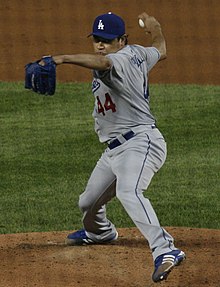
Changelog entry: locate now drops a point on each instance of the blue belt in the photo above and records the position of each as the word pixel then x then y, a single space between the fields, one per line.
pixel 127 136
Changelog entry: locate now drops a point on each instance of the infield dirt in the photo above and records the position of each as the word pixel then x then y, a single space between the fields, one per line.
pixel 42 259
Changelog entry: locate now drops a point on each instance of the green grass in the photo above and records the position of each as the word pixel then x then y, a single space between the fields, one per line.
pixel 48 149
pixel 190 120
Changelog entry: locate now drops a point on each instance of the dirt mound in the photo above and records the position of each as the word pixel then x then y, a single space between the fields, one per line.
pixel 42 259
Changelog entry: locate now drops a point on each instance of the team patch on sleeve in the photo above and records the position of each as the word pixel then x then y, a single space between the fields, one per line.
pixel 95 85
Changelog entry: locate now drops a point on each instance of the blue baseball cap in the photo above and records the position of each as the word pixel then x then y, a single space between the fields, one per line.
pixel 108 26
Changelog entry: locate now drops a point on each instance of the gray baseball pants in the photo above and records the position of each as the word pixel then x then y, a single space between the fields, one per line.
pixel 126 172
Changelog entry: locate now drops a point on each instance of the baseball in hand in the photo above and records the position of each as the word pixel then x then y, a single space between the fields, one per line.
pixel 141 23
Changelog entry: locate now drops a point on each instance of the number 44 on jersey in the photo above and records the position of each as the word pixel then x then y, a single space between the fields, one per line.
pixel 106 106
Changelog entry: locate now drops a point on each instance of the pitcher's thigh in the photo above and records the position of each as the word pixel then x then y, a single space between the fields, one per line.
pixel 133 173
pixel 101 185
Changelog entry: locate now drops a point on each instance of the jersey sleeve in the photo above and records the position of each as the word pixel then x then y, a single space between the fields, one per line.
pixel 152 57
pixel 124 63
pixel 115 73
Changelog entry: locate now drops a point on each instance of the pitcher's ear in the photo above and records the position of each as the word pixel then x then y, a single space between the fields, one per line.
pixel 124 39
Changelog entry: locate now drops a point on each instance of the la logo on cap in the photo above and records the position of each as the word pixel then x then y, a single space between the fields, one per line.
pixel 101 25
pixel 108 26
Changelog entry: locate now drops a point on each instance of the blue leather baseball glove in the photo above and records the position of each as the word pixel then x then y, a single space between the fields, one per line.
pixel 40 76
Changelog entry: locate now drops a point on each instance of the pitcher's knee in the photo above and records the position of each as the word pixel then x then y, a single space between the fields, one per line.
pixel 125 195
pixel 84 203
pixel 129 195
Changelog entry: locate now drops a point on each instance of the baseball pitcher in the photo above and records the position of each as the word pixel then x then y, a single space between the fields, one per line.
pixel 135 148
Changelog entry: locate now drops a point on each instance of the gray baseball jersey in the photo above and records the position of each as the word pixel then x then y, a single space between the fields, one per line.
pixel 121 93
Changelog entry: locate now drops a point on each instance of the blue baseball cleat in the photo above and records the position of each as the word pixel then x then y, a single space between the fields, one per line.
pixel 80 238
pixel 165 263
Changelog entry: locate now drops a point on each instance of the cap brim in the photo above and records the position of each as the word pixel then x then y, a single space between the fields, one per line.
pixel 104 35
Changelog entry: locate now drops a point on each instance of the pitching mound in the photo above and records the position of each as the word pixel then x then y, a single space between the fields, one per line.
pixel 42 259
